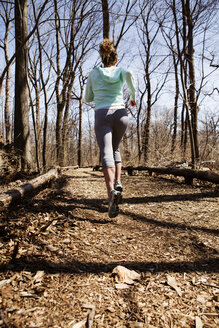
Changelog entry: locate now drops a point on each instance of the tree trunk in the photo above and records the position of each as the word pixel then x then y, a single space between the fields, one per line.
pixel 7 91
pixel 148 119
pixel 65 135
pixel 59 133
pixel 7 108
pixel 80 127
pixel 141 101
pixel 175 103
pixel 147 135
pixel 21 117
pixel 106 25
pixel 59 98
pixel 35 131
pixel 184 131
pixel 36 121
pixel 90 125
pixel 45 125
pixel 139 137
pixel 191 91
pixel 38 125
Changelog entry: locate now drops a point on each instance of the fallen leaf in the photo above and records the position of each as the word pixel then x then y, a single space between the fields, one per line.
pixel 27 294
pixel 172 283
pixel 201 299
pixel 198 322
pixel 4 282
pixel 67 240
pixel 52 248
pixel 7 281
pixel 124 275
pixel 79 324
pixel 38 276
pixel 121 286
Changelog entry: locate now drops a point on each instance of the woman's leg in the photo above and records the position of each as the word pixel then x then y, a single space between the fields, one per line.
pixel 110 128
pixel 106 150
pixel 109 175
pixel 103 133
pixel 120 126
pixel 118 171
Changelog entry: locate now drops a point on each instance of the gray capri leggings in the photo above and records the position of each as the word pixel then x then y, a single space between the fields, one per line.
pixel 110 126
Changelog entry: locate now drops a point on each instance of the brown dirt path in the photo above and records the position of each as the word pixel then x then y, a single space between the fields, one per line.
pixel 58 251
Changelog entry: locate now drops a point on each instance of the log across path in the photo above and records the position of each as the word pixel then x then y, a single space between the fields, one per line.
pixel 10 196
pixel 188 174
pixel 14 195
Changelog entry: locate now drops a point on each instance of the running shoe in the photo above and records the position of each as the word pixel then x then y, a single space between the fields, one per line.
pixel 114 200
pixel 118 186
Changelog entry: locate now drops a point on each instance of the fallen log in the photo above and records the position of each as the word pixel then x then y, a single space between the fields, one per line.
pixel 188 174
pixel 10 196
pixel 66 168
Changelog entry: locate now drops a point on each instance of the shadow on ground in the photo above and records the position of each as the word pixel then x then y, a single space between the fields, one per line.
pixel 210 265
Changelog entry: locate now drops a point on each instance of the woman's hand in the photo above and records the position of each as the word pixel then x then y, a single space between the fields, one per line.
pixel 132 102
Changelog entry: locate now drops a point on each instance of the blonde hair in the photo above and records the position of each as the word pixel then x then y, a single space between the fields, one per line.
pixel 107 52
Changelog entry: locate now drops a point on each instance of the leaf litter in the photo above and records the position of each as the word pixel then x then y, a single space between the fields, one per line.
pixel 59 253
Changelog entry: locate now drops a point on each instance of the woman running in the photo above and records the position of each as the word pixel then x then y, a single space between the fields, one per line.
pixel 105 88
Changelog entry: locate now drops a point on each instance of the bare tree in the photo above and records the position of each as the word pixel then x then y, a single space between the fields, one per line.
pixel 39 74
pixel 148 30
pixel 5 15
pixel 76 43
pixel 21 117
pixel 188 18
pixel 169 37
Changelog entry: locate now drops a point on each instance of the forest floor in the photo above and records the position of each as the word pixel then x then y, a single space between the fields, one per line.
pixel 58 251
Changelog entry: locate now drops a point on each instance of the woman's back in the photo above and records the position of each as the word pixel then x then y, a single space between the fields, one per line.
pixel 105 86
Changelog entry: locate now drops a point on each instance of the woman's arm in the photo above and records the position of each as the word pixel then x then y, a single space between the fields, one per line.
pixel 130 82
pixel 89 95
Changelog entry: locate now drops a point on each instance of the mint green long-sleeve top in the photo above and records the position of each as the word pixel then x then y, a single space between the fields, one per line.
pixel 105 86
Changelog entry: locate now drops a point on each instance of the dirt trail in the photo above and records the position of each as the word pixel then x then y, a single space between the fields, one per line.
pixel 59 248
